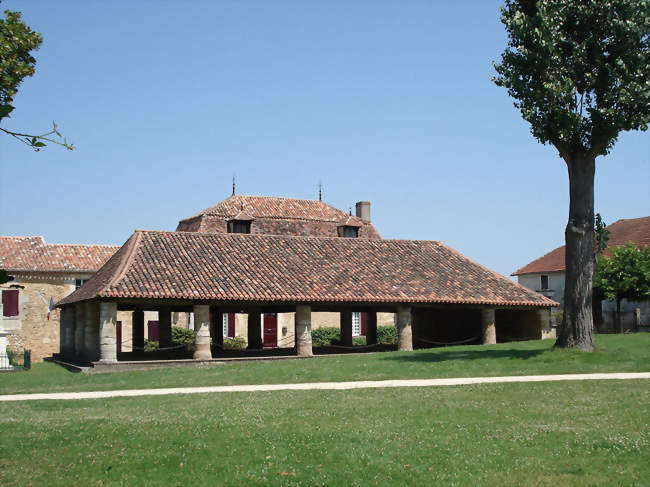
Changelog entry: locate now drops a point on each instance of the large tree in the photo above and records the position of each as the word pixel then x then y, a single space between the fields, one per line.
pixel 578 71
pixel 17 42
pixel 624 275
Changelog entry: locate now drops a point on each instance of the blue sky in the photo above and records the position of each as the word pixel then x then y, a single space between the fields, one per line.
pixel 383 101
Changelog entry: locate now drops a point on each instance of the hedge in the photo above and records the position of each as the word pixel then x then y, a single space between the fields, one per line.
pixel 387 335
pixel 321 337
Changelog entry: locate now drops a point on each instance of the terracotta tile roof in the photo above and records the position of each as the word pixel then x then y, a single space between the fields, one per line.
pixel 33 254
pixel 266 268
pixel 274 207
pixel 636 230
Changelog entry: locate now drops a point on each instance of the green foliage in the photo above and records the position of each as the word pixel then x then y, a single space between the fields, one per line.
pixel 17 41
pixel 387 335
pixel 601 235
pixel 150 346
pixel 578 71
pixel 626 274
pixel 183 336
pixel 359 341
pixel 235 343
pixel 322 337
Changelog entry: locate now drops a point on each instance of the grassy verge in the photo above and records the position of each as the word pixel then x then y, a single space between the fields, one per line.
pixel 576 434
pixel 615 353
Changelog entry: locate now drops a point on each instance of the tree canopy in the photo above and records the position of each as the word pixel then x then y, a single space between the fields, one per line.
pixel 17 42
pixel 624 275
pixel 578 70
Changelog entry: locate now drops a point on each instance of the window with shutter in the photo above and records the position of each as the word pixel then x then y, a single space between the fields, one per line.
pixel 10 302
pixel 356 324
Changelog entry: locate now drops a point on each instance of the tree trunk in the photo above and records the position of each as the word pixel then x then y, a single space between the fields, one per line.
pixel 577 322
pixel 619 324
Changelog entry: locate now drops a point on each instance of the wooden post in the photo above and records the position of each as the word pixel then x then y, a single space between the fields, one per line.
pixel 254 330
pixel 137 330
pixel 371 328
pixel 346 328
pixel 164 327
pixel 80 330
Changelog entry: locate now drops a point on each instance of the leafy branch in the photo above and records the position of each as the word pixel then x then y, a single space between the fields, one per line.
pixel 37 141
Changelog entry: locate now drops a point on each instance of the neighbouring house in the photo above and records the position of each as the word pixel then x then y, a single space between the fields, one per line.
pixel 294 263
pixel 546 276
pixel 42 273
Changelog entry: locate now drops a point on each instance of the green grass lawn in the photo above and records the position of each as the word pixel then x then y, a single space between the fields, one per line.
pixel 615 353
pixel 543 434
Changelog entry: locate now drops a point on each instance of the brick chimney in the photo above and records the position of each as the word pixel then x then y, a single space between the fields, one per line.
pixel 363 210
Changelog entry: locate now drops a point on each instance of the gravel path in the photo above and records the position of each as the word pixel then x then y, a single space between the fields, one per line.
pixel 321 386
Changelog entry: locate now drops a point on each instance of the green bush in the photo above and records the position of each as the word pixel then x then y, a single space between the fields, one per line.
pixel 235 343
pixel 387 335
pixel 183 336
pixel 150 346
pixel 325 336
pixel 359 341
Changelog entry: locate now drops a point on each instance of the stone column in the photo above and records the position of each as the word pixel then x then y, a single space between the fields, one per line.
pixel 488 326
pixel 107 332
pixel 254 330
pixel 371 328
pixel 164 327
pixel 346 328
pixel 79 330
pixel 67 318
pixel 91 337
pixel 545 329
pixel 202 328
pixel 303 331
pixel 404 331
pixel 137 330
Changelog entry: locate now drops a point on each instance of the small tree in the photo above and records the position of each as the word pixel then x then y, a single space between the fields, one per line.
pixel 17 41
pixel 624 275
pixel 578 71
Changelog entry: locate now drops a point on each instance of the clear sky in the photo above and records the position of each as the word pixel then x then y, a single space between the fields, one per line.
pixel 386 101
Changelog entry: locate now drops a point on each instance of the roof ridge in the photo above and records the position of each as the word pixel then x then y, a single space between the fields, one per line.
pixel 126 262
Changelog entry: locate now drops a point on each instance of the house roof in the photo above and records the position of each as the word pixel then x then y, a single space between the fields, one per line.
pixel 636 230
pixel 31 254
pixel 274 207
pixel 271 268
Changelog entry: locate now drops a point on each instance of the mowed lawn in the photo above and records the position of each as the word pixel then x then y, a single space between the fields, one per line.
pixel 615 353
pixel 592 433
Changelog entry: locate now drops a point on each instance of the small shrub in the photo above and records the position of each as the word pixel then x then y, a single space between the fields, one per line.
pixel 321 337
pixel 387 335
pixel 183 336
pixel 359 341
pixel 235 343
pixel 150 346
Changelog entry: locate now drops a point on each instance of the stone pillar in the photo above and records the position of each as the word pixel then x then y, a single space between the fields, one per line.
pixel 91 336
pixel 137 330
pixel 545 329
pixel 254 330
pixel 164 327
pixel 346 328
pixel 371 328
pixel 303 331
pixel 488 326
pixel 404 331
pixel 107 332
pixel 79 330
pixel 202 328
pixel 67 318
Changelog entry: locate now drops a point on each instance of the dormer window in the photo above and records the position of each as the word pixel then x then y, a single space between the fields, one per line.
pixel 348 231
pixel 239 226
pixel 241 223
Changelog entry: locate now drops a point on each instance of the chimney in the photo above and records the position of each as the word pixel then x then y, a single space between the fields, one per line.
pixel 363 210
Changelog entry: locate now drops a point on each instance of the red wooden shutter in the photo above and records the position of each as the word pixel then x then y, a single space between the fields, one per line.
pixel 364 323
pixel 10 302
pixel 231 325
pixel 152 330
pixel 118 336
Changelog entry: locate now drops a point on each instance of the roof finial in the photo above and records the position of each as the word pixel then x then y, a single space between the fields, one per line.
pixel 233 185
pixel 350 211
pixel 320 191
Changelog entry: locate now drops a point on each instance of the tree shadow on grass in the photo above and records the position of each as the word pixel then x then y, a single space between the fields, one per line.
pixel 441 355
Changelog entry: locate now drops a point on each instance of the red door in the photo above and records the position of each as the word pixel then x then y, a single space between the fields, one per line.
pixel 152 330
pixel 270 329
pixel 118 336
